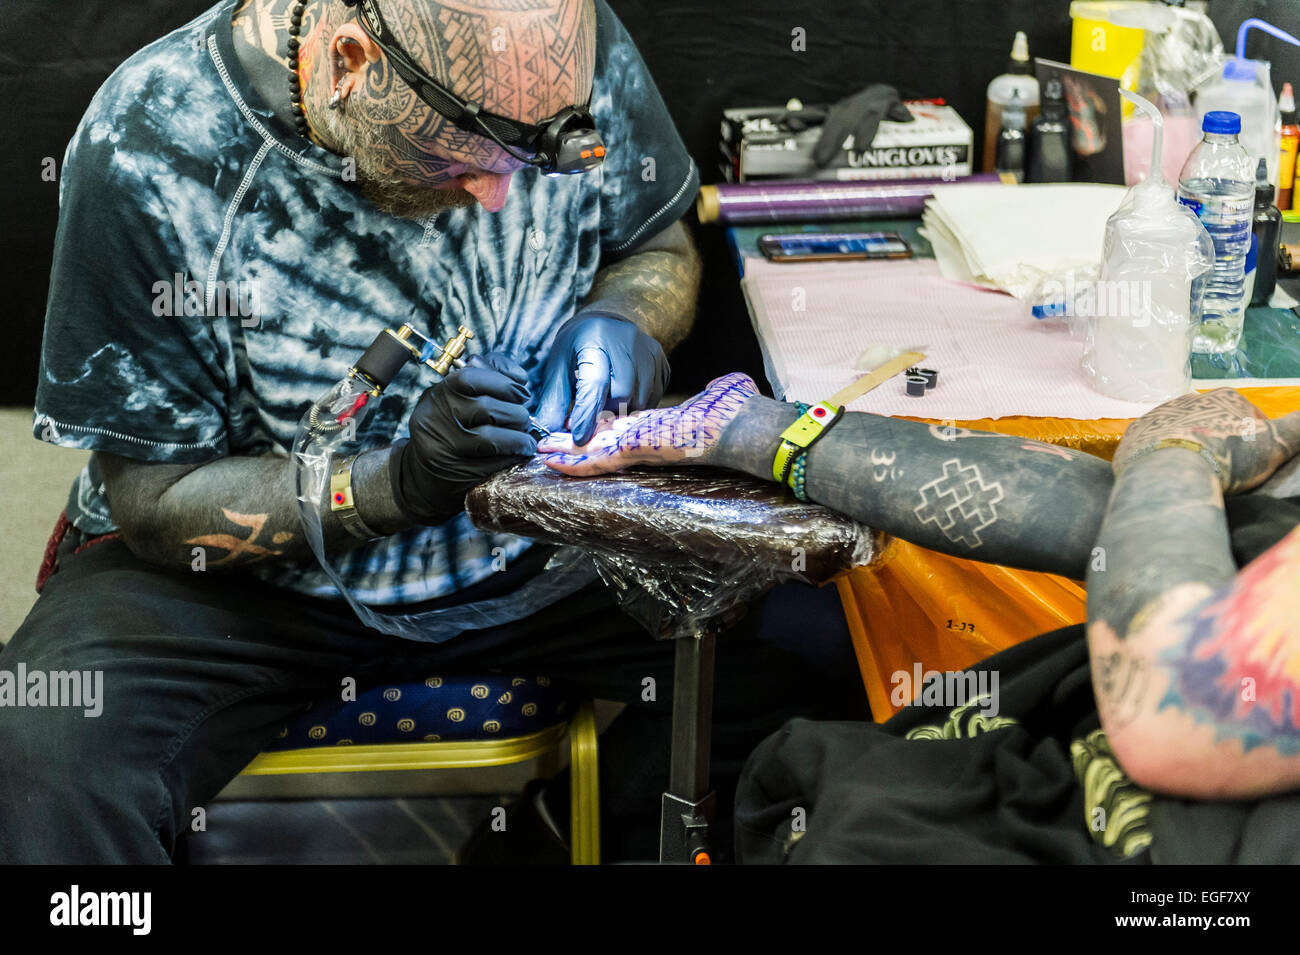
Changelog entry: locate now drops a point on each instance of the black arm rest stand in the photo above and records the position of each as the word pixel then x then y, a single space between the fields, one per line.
pixel 684 552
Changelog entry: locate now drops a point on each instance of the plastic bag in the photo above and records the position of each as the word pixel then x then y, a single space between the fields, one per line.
pixel 1182 49
pixel 1139 324
pixel 683 551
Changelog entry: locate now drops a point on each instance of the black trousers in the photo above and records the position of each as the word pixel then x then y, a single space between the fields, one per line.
pixel 201 670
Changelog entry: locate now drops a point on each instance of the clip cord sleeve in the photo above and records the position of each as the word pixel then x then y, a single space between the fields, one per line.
pixel 334 420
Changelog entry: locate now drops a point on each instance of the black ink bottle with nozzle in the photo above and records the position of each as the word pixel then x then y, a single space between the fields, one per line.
pixel 1049 139
pixel 1010 154
pixel 1267 225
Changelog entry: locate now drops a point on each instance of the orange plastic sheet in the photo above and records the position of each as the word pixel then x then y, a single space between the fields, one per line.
pixel 916 606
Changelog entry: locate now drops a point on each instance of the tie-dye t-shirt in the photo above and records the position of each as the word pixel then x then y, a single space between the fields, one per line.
pixel 214 272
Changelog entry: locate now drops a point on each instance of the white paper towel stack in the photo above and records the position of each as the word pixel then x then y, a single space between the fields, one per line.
pixel 1010 237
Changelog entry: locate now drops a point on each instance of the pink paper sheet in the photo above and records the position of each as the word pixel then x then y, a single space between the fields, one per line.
pixel 994 359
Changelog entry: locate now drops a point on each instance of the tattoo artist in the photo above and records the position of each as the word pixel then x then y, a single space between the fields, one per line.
pixel 303 145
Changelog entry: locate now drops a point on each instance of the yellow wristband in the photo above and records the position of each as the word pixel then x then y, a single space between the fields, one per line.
pixel 801 435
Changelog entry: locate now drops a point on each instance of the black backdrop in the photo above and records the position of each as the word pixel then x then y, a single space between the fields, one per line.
pixel 704 55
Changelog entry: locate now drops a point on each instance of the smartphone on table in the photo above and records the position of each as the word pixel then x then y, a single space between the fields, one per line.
pixel 827 246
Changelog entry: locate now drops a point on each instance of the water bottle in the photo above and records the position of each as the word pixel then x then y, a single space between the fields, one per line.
pixel 1218 184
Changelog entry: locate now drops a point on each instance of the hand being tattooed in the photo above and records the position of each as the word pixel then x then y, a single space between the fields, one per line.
pixel 683 434
pixel 1245 443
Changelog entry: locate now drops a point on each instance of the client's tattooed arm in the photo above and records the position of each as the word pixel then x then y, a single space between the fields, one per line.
pixel 239 510
pixel 1196 667
pixel 989 497
pixel 654 288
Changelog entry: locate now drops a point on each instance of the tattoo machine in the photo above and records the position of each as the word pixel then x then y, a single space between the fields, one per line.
pixel 390 350
pixel 383 360
pixel 335 419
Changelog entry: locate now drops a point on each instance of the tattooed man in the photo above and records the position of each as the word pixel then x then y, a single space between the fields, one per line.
pixel 247 203
pixel 1185 689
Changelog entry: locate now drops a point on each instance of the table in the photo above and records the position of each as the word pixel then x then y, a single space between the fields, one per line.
pixel 916 607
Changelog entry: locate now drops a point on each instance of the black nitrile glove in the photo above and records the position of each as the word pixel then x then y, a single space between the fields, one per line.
pixel 797 120
pixel 464 429
pixel 599 364
pixel 859 114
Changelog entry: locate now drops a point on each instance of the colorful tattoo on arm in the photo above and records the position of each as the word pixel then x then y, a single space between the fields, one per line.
pixel 1196 667
pixel 1238 666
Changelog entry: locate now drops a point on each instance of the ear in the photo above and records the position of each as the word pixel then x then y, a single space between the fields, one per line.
pixel 351 50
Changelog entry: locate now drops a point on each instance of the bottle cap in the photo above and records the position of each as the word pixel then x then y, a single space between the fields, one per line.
pixel 1020 47
pixel 1263 188
pixel 1241 70
pixel 1221 121
pixel 1286 102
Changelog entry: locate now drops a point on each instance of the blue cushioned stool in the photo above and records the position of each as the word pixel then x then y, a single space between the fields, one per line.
pixel 450 721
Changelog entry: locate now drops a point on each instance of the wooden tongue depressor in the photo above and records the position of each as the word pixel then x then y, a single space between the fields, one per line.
pixel 876 376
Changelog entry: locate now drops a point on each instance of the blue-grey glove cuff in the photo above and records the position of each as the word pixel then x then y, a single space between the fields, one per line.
pixel 585 313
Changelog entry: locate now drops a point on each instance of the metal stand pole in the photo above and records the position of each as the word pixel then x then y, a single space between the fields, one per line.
pixel 687 808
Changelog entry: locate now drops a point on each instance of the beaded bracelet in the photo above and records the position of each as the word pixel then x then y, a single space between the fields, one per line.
pixel 799 470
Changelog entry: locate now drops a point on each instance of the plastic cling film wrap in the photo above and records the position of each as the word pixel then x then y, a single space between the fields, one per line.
pixel 682 550
pixel 329 425
pixel 817 200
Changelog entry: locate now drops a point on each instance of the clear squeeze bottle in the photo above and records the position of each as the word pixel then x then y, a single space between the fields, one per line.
pixel 1140 326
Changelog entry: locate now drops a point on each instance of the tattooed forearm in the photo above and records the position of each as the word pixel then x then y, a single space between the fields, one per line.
pixel 1165 527
pixel 972 494
pixel 1163 542
pixel 1196 667
pixel 975 494
pixel 655 287
pixel 235 511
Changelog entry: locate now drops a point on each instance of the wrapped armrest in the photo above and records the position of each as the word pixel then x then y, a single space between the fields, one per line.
pixel 683 549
